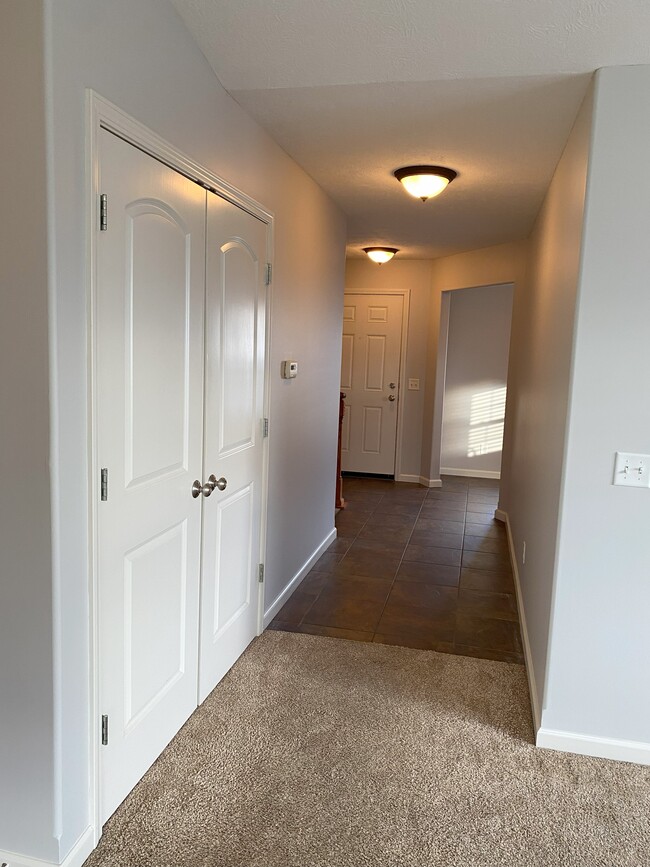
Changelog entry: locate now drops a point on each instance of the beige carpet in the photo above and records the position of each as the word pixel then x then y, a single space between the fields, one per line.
pixel 315 751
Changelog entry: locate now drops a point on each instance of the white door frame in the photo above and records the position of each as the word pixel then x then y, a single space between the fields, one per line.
pixel 102 114
pixel 406 296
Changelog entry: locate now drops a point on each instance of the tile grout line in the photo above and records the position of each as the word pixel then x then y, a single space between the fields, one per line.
pixel 392 584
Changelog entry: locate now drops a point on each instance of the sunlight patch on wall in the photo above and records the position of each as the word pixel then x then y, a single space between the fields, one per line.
pixel 487 413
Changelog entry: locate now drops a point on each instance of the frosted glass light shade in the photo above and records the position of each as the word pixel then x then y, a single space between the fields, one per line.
pixel 380 254
pixel 424 182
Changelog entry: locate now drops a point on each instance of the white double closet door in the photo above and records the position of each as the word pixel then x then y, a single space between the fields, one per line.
pixel 179 355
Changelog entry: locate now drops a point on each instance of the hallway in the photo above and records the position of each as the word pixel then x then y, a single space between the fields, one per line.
pixel 415 567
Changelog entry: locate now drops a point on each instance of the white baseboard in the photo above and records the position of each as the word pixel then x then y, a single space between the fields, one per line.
pixel 502 516
pixel 277 604
pixel 477 474
pixel 419 480
pixel 588 745
pixel 553 739
pixel 75 858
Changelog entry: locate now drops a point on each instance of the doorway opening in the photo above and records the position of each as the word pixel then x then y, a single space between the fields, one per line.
pixel 473 352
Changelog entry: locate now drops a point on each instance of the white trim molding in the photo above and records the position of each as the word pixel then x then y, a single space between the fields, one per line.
pixel 102 114
pixel 502 516
pixel 588 745
pixel 75 858
pixel 476 474
pixel 554 739
pixel 411 479
pixel 277 604
pixel 419 480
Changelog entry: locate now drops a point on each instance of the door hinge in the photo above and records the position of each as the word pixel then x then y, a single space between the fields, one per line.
pixel 260 573
pixel 105 730
pixel 269 271
pixel 103 212
pixel 104 483
pixel 265 427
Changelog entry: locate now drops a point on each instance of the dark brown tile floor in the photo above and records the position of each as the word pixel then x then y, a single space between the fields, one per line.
pixel 414 567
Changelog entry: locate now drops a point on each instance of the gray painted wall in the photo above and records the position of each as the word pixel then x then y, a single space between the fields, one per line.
pixel 139 56
pixel 476 375
pixel 598 682
pixel 26 689
pixel 538 387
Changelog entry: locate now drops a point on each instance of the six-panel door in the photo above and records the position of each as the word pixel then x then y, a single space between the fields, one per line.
pixel 370 366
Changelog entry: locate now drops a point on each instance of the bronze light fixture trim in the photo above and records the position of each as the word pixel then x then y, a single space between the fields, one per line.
pixel 380 254
pixel 424 182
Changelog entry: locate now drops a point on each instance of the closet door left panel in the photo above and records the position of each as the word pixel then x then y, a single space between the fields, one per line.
pixel 149 420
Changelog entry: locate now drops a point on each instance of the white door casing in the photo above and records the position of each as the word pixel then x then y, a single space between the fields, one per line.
pixel 370 379
pixel 149 382
pixel 233 450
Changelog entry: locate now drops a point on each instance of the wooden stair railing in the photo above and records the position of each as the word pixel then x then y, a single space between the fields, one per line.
pixel 339 501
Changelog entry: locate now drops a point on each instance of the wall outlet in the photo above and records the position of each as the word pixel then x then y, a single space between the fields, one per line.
pixel 632 470
pixel 414 384
pixel 523 554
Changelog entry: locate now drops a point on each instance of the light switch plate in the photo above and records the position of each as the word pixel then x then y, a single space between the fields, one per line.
pixel 289 369
pixel 632 470
pixel 414 384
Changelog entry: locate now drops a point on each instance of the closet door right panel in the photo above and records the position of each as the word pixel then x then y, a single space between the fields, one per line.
pixel 233 449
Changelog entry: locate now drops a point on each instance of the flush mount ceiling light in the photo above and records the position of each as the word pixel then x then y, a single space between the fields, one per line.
pixel 380 254
pixel 424 182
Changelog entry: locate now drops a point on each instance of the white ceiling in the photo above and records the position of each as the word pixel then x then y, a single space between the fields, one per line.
pixel 354 90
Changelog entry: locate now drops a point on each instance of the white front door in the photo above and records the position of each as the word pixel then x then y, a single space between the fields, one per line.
pixel 234 407
pixel 370 367
pixel 149 428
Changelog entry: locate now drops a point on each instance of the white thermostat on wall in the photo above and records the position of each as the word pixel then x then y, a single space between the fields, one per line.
pixel 289 369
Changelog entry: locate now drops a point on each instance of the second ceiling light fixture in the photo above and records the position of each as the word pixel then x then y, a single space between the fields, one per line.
pixel 423 182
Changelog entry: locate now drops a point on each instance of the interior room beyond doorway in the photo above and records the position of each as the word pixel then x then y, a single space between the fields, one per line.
pixel 473 354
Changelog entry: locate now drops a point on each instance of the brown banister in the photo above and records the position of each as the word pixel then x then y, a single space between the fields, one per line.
pixel 339 502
